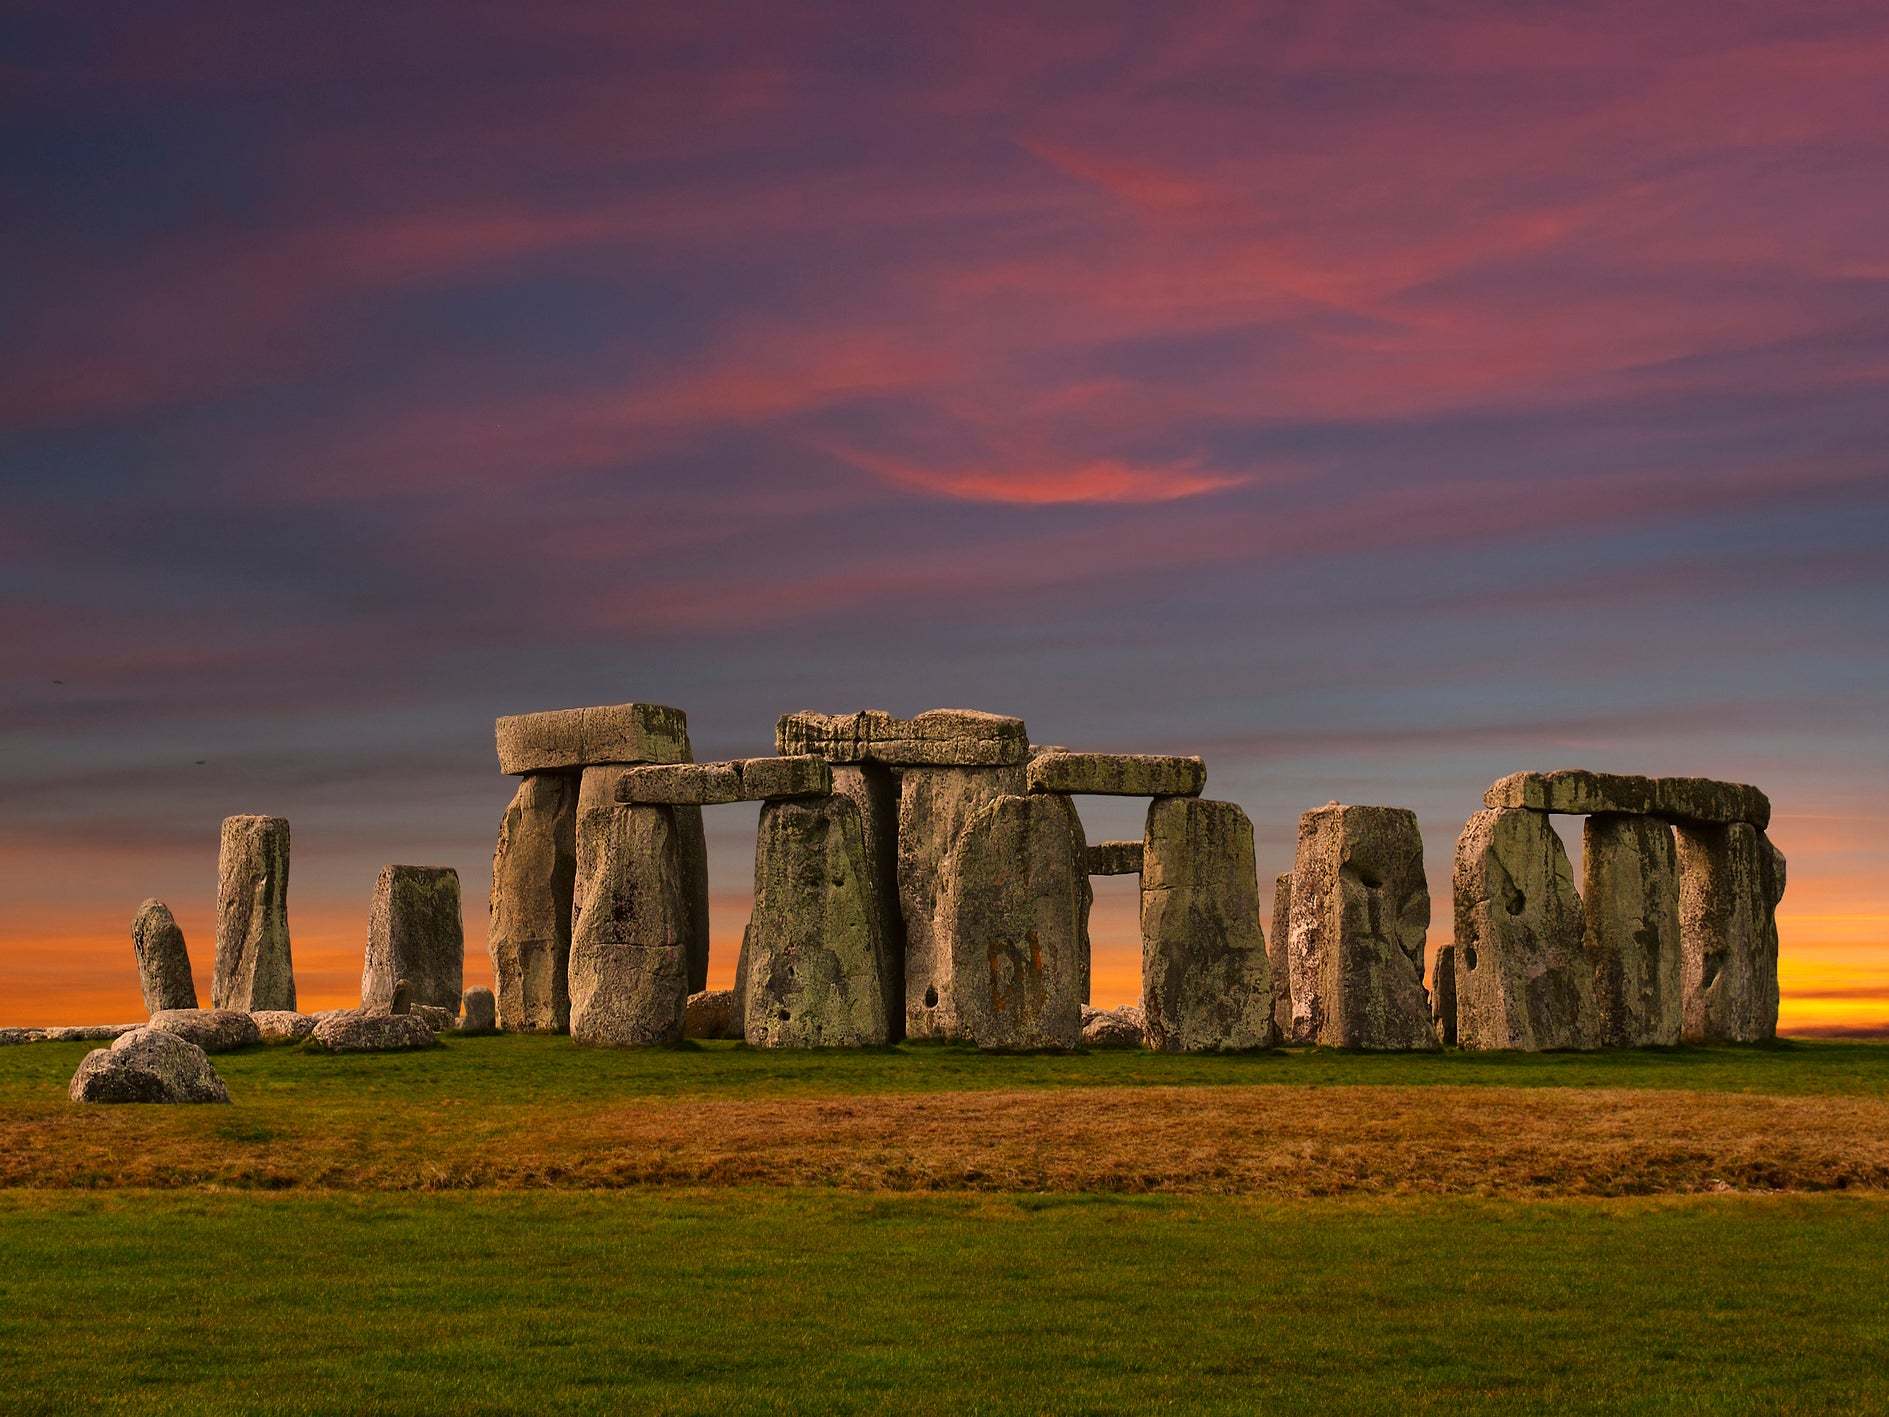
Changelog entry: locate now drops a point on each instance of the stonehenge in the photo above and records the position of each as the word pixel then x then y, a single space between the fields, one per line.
pixel 414 934
pixel 253 968
pixel 1731 879
pixel 163 962
pixel 534 870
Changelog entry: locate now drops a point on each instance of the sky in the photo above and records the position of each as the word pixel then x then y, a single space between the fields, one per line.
pixel 1375 399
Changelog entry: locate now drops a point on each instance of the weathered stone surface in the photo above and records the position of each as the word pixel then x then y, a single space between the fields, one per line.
pixel 934 806
pixel 372 1033
pixel 635 921
pixel 253 967
pixel 438 1019
pixel 1630 901
pixel 937 738
pixel 680 784
pixel 480 1011
pixel 765 779
pixel 1731 879
pixel 874 789
pixel 1360 910
pixel 1278 953
pixel 147 1065
pixel 1115 858
pixel 414 933
pixel 1206 981
pixel 1701 801
pixel 565 740
pixel 692 849
pixel 529 935
pixel 91 1032
pixel 1523 980
pixel 1011 923
pixel 711 1014
pixel 1112 1028
pixel 1443 995
pixel 283 1025
pixel 816 945
pixel 1574 791
pixel 10 1036
pixel 213 1030
pixel 163 962
pixel 1117 774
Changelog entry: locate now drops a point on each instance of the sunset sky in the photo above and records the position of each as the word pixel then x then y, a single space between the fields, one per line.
pixel 1374 399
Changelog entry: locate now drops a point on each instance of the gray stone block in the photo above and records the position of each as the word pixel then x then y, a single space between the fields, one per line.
pixel 283 1025
pixel 1630 901
pixel 1117 774
pixel 1360 912
pixel 565 740
pixel 1277 955
pixel 1700 801
pixel 1115 858
pixel 372 1033
pixel 147 1065
pixel 711 1014
pixel 680 784
pixel 1443 995
pixel 937 738
pixel 480 1014
pixel 253 965
pixel 1731 879
pixel 163 962
pixel 1573 791
pixel 1523 980
pixel 770 779
pixel 1113 1028
pixel 213 1030
pixel 414 932
pixel 534 869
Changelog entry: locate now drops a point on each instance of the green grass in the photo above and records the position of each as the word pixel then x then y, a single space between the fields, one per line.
pixel 515 1068
pixel 788 1300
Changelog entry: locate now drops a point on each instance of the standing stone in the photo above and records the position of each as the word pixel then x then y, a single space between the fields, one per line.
pixel 481 1014
pixel 533 874
pixel 816 944
pixel 935 803
pixel 414 934
pixel 1630 898
pixel 1010 925
pixel 1276 957
pixel 692 850
pixel 253 968
pixel 1360 912
pixel 1443 995
pixel 1731 879
pixel 631 938
pixel 1523 980
pixel 874 790
pixel 163 962
pixel 1206 980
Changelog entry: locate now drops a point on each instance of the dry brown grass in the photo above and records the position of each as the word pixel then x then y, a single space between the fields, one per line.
pixel 1267 1140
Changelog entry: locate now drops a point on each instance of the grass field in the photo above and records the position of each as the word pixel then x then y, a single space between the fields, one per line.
pixel 513 1224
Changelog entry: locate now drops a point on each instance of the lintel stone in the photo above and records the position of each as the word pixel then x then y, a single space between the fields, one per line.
pixel 564 740
pixel 1115 858
pixel 1577 792
pixel 936 738
pixel 772 779
pixel 1118 774
pixel 679 785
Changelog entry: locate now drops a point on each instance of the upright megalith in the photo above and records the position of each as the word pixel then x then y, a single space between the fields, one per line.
pixel 1277 956
pixel 1731 879
pixel 1523 980
pixel 874 789
pixel 253 967
pixel 633 929
pixel 1360 912
pixel 1206 980
pixel 1010 927
pixel 163 962
pixel 1443 995
pixel 1630 902
pixel 414 932
pixel 816 952
pixel 534 870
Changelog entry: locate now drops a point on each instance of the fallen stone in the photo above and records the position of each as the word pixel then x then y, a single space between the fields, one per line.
pixel 1630 901
pixel 1011 925
pixel 1277 955
pixel 148 1065
pixel 414 933
pixel 1360 914
pixel 1523 980
pixel 680 784
pixel 213 1030
pixel 438 1019
pixel 1115 858
pixel 529 934
pixel 90 1032
pixel 163 962
pixel 1443 995
pixel 634 924
pixel 711 1014
pixel 1573 791
pixel 934 806
pixel 9 1036
pixel 253 966
pixel 1701 801
pixel 1112 1028
pixel 769 779
pixel 1117 774
pixel 481 1011
pixel 565 740
pixel 937 738
pixel 400 1002
pixel 283 1025
pixel 1206 980
pixel 1731 879
pixel 373 1033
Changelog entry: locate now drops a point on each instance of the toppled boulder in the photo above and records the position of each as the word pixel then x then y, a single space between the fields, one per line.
pixel 438 1019
pixel 283 1025
pixel 10 1036
pixel 213 1030
pixel 89 1032
pixel 711 1014
pixel 372 1033
pixel 148 1065
pixel 481 1011
pixel 163 961
pixel 1113 1028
